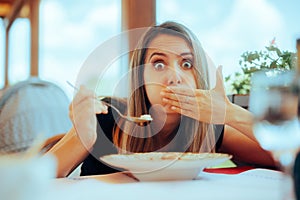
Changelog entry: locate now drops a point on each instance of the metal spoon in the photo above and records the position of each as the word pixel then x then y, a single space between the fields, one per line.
pixel 143 120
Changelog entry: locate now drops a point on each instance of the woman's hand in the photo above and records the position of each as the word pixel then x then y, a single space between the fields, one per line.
pixel 204 105
pixel 83 111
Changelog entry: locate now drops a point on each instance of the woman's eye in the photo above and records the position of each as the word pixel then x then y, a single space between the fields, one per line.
pixel 187 65
pixel 159 65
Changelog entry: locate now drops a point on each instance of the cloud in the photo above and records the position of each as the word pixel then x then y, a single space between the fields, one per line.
pixel 61 30
pixel 57 29
pixel 104 15
pixel 68 36
pixel 70 33
pixel 249 26
pixel 227 29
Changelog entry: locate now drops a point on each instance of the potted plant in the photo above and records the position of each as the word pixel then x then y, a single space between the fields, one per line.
pixel 239 83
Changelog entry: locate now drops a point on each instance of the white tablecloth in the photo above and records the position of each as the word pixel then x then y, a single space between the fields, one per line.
pixel 254 184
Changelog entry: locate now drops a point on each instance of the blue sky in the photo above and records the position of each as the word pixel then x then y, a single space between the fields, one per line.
pixel 71 30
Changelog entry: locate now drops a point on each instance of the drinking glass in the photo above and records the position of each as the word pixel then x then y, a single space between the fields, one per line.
pixel 274 103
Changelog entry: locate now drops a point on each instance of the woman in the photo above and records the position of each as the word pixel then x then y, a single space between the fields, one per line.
pixel 169 80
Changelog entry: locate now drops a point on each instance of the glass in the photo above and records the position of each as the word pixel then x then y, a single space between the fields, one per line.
pixel 274 104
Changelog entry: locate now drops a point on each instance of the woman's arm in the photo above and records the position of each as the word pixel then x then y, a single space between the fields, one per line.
pixel 240 119
pixel 244 149
pixel 69 153
pixel 72 149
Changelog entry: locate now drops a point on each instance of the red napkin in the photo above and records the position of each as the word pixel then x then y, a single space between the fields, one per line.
pixel 230 170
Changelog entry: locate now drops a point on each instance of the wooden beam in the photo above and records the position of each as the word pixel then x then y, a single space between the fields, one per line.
pixel 34 25
pixel 7 1
pixel 137 14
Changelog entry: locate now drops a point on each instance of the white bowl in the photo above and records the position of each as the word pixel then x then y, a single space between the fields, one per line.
pixel 165 166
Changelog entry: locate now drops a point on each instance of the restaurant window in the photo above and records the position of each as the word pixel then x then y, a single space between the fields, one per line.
pixel 70 32
pixel 19 51
pixel 226 29
pixel 2 53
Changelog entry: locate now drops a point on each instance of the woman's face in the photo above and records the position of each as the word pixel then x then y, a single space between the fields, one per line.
pixel 168 62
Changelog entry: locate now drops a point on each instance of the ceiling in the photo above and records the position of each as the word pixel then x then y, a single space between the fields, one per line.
pixel 5 7
pixel 13 9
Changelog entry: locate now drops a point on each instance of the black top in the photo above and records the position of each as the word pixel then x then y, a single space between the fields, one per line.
pixel 104 143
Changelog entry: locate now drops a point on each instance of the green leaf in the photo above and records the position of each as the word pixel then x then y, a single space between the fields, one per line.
pixel 252 61
pixel 278 52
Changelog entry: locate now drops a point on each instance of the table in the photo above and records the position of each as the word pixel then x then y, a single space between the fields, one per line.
pixel 254 184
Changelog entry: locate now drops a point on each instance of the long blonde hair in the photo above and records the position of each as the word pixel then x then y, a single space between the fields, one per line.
pixel 195 136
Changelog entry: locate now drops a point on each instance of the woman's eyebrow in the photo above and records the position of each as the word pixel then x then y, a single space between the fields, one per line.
pixel 157 53
pixel 163 54
pixel 187 54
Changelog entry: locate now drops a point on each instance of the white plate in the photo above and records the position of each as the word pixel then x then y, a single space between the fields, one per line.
pixel 161 166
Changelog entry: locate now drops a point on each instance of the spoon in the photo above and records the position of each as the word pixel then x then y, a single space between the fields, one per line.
pixel 141 121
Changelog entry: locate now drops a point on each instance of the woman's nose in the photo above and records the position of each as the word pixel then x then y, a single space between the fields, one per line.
pixel 174 81
pixel 175 77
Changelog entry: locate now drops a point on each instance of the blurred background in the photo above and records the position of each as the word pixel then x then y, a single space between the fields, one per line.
pixel 70 30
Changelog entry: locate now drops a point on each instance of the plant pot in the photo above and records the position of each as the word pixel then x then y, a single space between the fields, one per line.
pixel 240 99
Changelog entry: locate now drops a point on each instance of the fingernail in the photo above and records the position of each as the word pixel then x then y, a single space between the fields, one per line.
pixel 162 93
pixel 165 100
